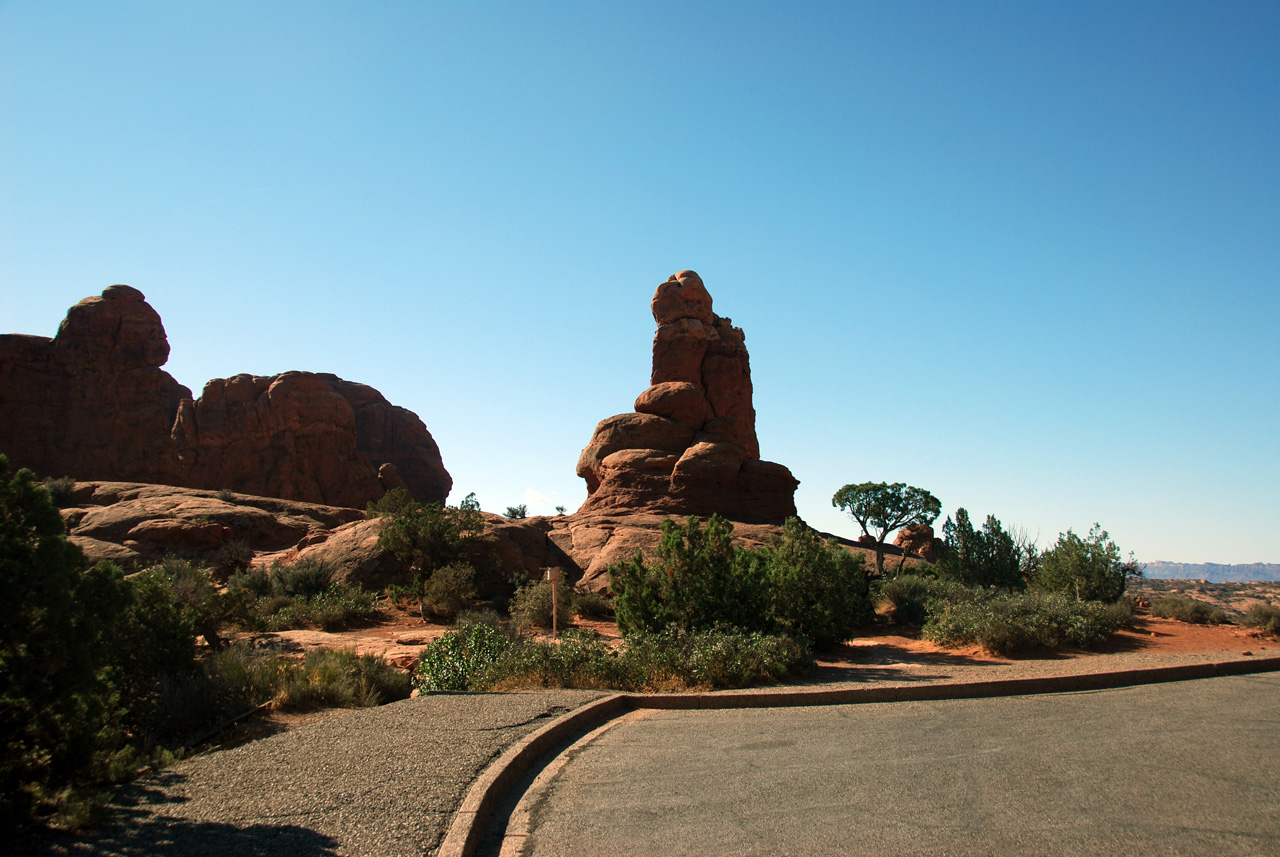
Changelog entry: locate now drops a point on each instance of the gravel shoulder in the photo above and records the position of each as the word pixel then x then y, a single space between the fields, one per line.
pixel 382 781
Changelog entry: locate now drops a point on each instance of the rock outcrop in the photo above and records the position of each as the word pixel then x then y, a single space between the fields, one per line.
pixel 918 539
pixel 306 436
pixel 94 403
pixel 690 447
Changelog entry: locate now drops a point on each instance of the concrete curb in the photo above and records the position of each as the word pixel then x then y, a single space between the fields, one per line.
pixel 467 827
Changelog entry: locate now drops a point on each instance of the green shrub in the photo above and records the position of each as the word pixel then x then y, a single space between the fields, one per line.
pixel 699 580
pixel 226 495
pixel 531 606
pixel 342 679
pixel 813 588
pixel 1265 617
pixel 986 557
pixel 450 589
pixel 1085 569
pixel 57 707
pixel 1189 610
pixel 591 604
pixel 481 658
pixel 302 595
pixel 460 660
pixel 467 618
pixel 60 490
pixel 517 512
pixel 1010 623
pixel 911 597
pixel 427 536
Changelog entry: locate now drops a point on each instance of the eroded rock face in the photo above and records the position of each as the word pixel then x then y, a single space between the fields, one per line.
pixel 690 447
pixel 93 403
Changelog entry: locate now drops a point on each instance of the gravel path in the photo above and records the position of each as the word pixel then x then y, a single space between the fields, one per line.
pixel 382 781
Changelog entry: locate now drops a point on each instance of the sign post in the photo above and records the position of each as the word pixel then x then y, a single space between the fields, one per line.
pixel 553 575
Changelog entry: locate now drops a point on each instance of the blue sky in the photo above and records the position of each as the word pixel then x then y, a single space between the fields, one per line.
pixel 1024 255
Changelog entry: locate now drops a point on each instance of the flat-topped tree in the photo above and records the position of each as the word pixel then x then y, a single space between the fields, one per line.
pixel 880 508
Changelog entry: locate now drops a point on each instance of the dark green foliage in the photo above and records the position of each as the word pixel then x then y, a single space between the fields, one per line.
pixel 301 595
pixel 1265 617
pixel 458 660
pixel 531 606
pixel 798 585
pixel 467 618
pixel 591 605
pixel 1086 569
pixel 910 597
pixel 699 580
pixel 226 495
pixel 450 589
pixel 813 588
pixel 341 679
pixel 482 658
pixel 1189 610
pixel 880 508
pixel 57 708
pixel 1010 623
pixel 517 512
pixel 60 490
pixel 986 557
pixel 427 536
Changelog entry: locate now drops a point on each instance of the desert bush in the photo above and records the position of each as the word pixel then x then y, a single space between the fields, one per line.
pixel 233 557
pixel 342 679
pixel 530 607
pixel 517 512
pixel 427 536
pixel 302 595
pixel 460 660
pixel 450 589
pixel 591 604
pixel 798 585
pixel 1189 610
pixel 1088 569
pixel 986 557
pixel 482 658
pixel 226 495
pixel 1010 623
pixel 59 489
pixel 812 588
pixel 699 580
pixel 57 708
pixel 1265 617
pixel 486 616
pixel 910 597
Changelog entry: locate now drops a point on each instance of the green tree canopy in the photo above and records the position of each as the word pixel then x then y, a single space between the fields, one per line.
pixel 880 508
pixel 986 557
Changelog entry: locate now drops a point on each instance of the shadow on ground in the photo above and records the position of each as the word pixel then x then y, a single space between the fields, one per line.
pixel 139 827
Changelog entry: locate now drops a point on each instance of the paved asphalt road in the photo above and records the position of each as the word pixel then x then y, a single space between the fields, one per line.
pixel 1184 768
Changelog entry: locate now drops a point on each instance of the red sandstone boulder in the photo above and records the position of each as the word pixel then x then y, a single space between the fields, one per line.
pixel 691 446
pixel 918 539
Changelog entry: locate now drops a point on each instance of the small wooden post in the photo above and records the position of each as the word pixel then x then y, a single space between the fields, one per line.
pixel 553 575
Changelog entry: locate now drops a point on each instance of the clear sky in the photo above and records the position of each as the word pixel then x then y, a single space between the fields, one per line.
pixel 1025 255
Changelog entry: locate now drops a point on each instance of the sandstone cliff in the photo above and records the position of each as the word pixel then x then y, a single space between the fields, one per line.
pixel 94 403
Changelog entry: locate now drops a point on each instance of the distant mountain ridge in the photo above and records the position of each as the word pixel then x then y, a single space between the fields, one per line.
pixel 1216 572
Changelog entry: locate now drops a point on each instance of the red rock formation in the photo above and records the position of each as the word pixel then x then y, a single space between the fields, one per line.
pixel 690 448
pixel 918 539
pixel 305 436
pixel 93 403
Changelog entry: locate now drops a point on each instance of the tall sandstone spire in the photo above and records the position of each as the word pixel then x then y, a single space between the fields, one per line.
pixel 690 447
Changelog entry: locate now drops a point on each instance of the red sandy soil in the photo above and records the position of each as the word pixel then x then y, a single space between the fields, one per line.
pixel 403 636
